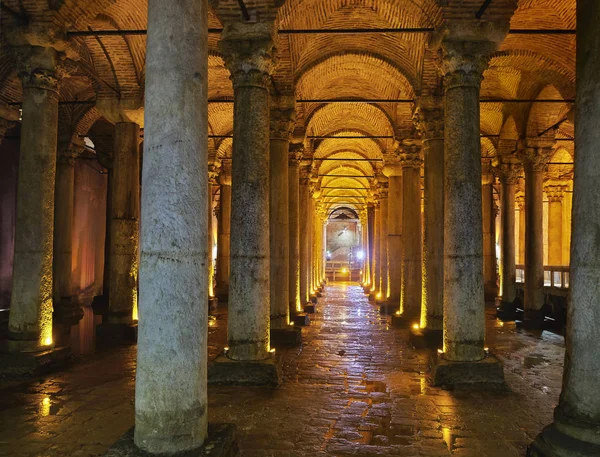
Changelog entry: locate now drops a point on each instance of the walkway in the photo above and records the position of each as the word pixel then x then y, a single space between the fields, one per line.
pixel 355 388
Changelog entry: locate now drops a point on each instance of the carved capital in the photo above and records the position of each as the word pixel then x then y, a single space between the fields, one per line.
pixel 428 118
pixel 39 67
pixel 213 172
pixel 410 157
pixel 282 123
pixel 508 173
pixel 295 155
pixel 535 158
pixel 250 60
pixel 555 192
pixel 225 175
pixel 520 201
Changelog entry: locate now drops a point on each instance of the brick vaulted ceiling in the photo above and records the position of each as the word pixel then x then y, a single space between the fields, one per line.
pixel 326 66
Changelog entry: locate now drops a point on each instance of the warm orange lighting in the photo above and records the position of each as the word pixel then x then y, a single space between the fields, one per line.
pixel 344 270
pixel 45 407
pixel 397 313
pixel 379 295
pixel 416 326
pixel 272 351
pixel 486 349
pixel 48 341
pixel 501 324
pixel 211 323
pixel 440 351
pixel 290 323
pixel 226 348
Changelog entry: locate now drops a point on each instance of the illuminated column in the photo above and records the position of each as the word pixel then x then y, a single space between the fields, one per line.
pixel 66 307
pixel 304 234
pixel 383 245
pixel 429 120
pixel 170 391
pixel 534 160
pixel 555 195
pixel 489 238
pixel 520 202
pixel 250 63
pixel 410 304
pixel 574 432
pixel 393 171
pixel 213 173
pixel 371 242
pixel 509 175
pixel 466 48
pixel 376 273
pixel 295 304
pixel 30 318
pixel 124 225
pixel 282 120
pixel 223 237
pixel 367 249
pixel 364 246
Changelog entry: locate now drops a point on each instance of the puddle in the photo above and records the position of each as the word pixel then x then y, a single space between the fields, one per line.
pixel 533 360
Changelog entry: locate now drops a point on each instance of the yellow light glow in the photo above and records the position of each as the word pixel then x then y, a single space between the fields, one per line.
pixel 45 407
pixel 211 323
pixel 379 295
pixel 48 341
pixel 290 323
pixel 416 326
pixel 501 324
pixel 440 351
pixel 486 349
pixel 272 351
pixel 398 313
pixel 226 348
pixel 344 270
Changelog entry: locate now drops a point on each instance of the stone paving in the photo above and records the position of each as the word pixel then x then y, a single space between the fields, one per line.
pixel 355 388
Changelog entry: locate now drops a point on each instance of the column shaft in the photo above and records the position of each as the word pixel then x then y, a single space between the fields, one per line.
pixel 295 305
pixel 304 240
pixel 394 221
pixel 489 238
pixel 377 250
pixel 555 230
pixel 509 274
pixel 170 392
pixel 383 255
pixel 224 228
pixel 534 243
pixel 521 204
pixel 371 245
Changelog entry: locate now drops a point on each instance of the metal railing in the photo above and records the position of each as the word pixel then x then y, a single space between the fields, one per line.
pixel 555 277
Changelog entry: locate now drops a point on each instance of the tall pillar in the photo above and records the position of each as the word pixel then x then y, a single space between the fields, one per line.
pixel 376 273
pixel 508 174
pixel 170 391
pixel 30 318
pixel 213 172
pixel 224 228
pixel 555 195
pixel 367 250
pixel 295 304
pixel 124 225
pixel 66 307
pixel 463 63
pixel 520 202
pixel 371 243
pixel 410 304
pixel 489 238
pixel 383 245
pixel 250 63
pixel 429 120
pixel 575 431
pixel 304 235
pixel 282 124
pixel 393 171
pixel 534 161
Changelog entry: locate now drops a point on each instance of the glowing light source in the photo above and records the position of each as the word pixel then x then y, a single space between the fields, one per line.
pixel 45 407
pixel 344 270
pixel 397 313
pixel 48 341
pixel 360 255
pixel 379 295
pixel 440 351
pixel 226 348
pixel 290 323
pixel 272 351
pixel 416 326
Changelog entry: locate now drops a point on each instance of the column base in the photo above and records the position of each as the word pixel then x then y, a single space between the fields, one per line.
pixel 100 305
pixel 389 308
pixel 532 320
pixel 29 363
pixel 67 311
pixel 222 294
pixel 220 442
pixel 366 290
pixel 484 374
pixel 402 321
pixel 109 335
pixel 314 299
pixel 213 303
pixel 507 311
pixel 422 338
pixel 552 443
pixel 300 319
pixel 227 372
pixel 310 308
pixel 286 337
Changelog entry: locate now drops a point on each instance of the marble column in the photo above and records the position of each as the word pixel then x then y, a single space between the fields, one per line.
pixel 410 304
pixel 66 307
pixel 393 171
pixel 295 304
pixel 520 203
pixel 508 174
pixel 371 244
pixel 30 318
pixel 376 273
pixel 304 235
pixel 170 391
pixel 213 172
pixel 383 245
pixel 365 249
pixel 576 426
pixel 429 120
pixel 463 63
pixel 250 62
pixel 124 225
pixel 224 228
pixel 282 124
pixel 534 161
pixel 555 194
pixel 489 238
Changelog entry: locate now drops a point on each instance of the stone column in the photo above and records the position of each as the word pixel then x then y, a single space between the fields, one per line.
pixel 576 426
pixel 66 307
pixel 170 391
pixel 489 238
pixel 250 63
pixel 534 160
pixel 367 250
pixel 363 244
pixel 463 63
pixel 282 120
pixel 383 245
pixel 555 195
pixel 508 174
pixel 124 225
pixel 223 238
pixel 30 318
pixel 295 304
pixel 371 244
pixel 304 235
pixel 429 120
pixel 213 172
pixel 410 304
pixel 393 171
pixel 376 273
pixel 520 202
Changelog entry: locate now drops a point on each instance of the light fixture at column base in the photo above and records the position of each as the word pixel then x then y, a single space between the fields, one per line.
pixel 487 373
pixel 28 363
pixel 109 335
pixel 301 319
pixel 552 443
pixel 228 372
pixel 220 442
pixel 213 303
pixel 422 338
pixel 286 337
pixel 310 308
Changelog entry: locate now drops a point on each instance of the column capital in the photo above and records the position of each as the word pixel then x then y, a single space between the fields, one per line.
pixel 428 117
pixel 410 156
pixel 508 172
pixel 66 154
pixel 213 172
pixel 520 201
pixel 535 158
pixel 249 53
pixel 117 110
pixel 225 175
pixel 282 118
pixel 555 192
pixel 296 152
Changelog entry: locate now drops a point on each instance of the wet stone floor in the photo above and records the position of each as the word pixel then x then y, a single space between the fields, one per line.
pixel 354 388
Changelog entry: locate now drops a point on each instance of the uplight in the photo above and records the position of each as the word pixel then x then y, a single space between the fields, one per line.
pixel 48 341
pixel 416 326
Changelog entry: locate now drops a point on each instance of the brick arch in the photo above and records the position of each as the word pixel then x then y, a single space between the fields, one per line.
pixel 544 115
pixel 326 118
